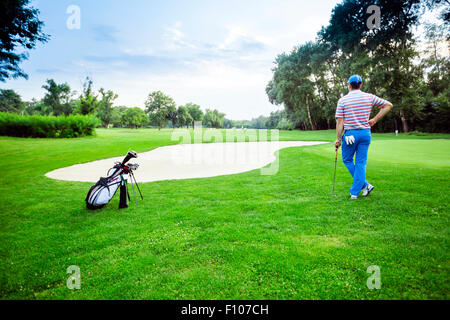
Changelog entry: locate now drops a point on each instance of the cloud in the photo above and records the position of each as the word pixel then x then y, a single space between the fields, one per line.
pixel 237 42
pixel 48 70
pixel 104 33
pixel 179 53
pixel 240 41
pixel 138 63
pixel 174 37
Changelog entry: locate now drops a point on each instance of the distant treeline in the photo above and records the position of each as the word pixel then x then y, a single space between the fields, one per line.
pixel 276 120
pixel 309 80
pixel 160 110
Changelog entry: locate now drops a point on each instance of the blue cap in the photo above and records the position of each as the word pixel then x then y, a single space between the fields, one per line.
pixel 355 79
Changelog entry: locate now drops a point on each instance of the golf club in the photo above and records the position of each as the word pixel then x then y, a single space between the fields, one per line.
pixel 334 178
pixel 134 194
pixel 137 185
pixel 131 154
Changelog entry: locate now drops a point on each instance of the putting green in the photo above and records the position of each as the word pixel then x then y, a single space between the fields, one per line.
pixel 425 153
pixel 415 152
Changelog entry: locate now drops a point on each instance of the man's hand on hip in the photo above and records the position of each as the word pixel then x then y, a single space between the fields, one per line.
pixel 384 110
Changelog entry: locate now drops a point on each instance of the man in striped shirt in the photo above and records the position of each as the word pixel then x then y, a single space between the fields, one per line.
pixel 352 115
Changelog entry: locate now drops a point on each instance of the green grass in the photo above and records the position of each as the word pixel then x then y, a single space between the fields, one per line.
pixel 243 236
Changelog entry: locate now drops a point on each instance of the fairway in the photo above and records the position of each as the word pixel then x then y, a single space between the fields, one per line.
pixel 240 236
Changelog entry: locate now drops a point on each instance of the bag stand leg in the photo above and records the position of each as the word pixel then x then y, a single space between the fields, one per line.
pixel 123 203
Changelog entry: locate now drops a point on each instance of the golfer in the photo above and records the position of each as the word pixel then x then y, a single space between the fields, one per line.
pixel 352 117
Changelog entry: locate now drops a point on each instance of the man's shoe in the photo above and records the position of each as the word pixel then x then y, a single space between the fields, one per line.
pixel 353 197
pixel 366 191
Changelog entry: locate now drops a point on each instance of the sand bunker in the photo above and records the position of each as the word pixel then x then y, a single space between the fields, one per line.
pixel 185 161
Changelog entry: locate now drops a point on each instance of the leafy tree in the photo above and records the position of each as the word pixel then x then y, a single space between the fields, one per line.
pixel 391 48
pixel 19 27
pixel 172 115
pixel 35 107
pixel 348 31
pixel 160 108
pixel 104 109
pixel 219 118
pixel 329 78
pixel 292 85
pixel 435 35
pixel 134 118
pixel 76 106
pixel 88 101
pixel 116 116
pixel 195 112
pixel 284 124
pixel 208 118
pixel 228 124
pixel 10 101
pixel 436 93
pixel 213 118
pixel 259 122
pixel 183 116
pixel 58 97
pixel 274 118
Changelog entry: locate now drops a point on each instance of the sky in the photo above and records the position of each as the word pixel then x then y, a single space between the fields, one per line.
pixel 218 54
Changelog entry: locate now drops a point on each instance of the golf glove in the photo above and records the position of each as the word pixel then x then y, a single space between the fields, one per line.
pixel 349 140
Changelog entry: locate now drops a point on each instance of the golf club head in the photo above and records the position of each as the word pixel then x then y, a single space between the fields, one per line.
pixel 131 154
pixel 133 166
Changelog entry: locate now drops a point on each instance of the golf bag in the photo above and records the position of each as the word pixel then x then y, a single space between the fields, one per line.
pixel 104 190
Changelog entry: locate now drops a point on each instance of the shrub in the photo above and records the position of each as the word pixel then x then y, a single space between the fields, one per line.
pixel 417 133
pixel 285 124
pixel 36 126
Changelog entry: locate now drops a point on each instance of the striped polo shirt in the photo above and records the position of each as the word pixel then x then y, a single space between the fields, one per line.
pixel 355 108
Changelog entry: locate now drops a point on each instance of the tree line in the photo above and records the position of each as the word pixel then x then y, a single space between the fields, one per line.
pixel 309 80
pixel 160 110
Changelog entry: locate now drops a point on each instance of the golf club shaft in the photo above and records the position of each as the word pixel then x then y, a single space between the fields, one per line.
pixel 134 193
pixel 335 165
pixel 137 185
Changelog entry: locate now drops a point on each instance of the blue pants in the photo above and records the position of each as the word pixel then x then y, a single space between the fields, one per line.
pixel 357 168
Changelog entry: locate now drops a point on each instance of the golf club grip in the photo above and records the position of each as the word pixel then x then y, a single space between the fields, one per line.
pixel 129 155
